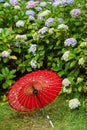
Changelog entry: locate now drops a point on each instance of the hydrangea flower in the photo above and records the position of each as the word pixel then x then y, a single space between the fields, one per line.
pixel 43 4
pixel 81 61
pixel 6 4
pixel 5 54
pixel 30 12
pixel 74 103
pixel 44 13
pixel 13 2
pixel 33 64
pixel 33 48
pixel 40 16
pixel 57 2
pixel 67 90
pixel 51 31
pixel 1 30
pixel 66 82
pixel 20 23
pixel 17 7
pixel 75 13
pixel 70 42
pixel 38 8
pixel 63 26
pixel 65 56
pixel 1 1
pixel 60 20
pixel 49 21
pixel 43 30
pixel 22 37
pixel 17 44
pixel 30 4
pixel 31 18
pixel 66 2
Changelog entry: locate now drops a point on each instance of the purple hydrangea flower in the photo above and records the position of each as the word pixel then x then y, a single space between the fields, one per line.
pixel 60 20
pixel 70 42
pixel 75 13
pixel 30 12
pixel 66 2
pixel 49 21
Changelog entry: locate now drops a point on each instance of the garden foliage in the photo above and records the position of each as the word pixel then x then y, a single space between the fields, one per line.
pixel 44 35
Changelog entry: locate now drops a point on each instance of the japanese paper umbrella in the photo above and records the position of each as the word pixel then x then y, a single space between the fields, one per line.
pixel 35 90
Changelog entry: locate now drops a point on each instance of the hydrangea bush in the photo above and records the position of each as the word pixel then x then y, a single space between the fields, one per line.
pixel 44 35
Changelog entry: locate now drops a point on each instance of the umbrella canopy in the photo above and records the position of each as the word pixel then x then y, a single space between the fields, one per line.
pixel 34 90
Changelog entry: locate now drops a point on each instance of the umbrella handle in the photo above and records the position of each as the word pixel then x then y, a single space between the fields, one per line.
pixel 48 117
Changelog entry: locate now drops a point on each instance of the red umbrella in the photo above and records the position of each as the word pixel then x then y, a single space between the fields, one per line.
pixel 34 90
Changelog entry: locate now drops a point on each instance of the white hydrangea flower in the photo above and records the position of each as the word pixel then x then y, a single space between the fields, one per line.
pixel 38 8
pixel 6 4
pixel 67 90
pixel 81 61
pixel 17 7
pixel 74 103
pixel 13 2
pixel 43 30
pixel 33 48
pixel 65 56
pixel 5 54
pixel 44 13
pixel 51 31
pixel 1 30
pixel 33 64
pixel 63 26
pixel 22 37
pixel 43 4
pixel 20 23
pixel 66 82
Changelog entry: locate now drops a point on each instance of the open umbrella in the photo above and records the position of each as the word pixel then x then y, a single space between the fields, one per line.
pixel 34 90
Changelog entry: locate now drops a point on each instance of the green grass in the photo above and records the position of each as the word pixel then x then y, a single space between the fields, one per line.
pixel 62 117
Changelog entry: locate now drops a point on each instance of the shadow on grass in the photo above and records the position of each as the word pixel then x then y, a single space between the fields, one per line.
pixel 62 117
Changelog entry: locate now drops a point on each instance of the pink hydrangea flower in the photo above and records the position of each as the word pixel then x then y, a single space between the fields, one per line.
pixel 30 4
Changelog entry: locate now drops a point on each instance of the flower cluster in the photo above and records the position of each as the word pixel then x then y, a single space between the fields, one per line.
pixel 49 22
pixel 33 48
pixel 65 56
pixel 63 26
pixel 5 54
pixel 20 23
pixel 30 12
pixel 14 2
pixel 60 20
pixel 74 103
pixel 42 31
pixel 66 82
pixel 81 61
pixel 70 42
pixel 75 13
pixel 33 64
pixel 43 4
pixel 30 4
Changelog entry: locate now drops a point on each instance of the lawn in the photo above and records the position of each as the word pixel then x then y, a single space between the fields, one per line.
pixel 62 117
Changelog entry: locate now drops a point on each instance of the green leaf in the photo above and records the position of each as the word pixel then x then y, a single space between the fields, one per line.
pixel 73 63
